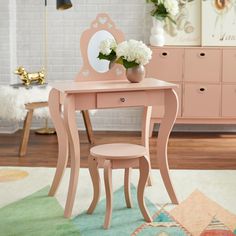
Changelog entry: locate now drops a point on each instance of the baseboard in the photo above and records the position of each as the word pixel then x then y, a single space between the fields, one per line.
pixel 8 127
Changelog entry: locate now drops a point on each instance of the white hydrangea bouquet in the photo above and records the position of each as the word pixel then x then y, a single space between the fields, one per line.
pixel 164 9
pixel 107 50
pixel 133 53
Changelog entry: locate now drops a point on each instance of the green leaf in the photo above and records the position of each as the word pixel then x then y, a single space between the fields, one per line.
pixel 102 56
pixel 110 57
pixel 119 61
pixel 159 11
pixel 129 64
pixel 159 17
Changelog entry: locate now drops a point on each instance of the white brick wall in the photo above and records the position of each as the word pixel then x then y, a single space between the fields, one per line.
pixel 4 44
pixel 21 37
pixel 64 31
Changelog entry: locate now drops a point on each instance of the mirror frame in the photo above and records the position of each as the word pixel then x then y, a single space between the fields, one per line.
pixel 87 72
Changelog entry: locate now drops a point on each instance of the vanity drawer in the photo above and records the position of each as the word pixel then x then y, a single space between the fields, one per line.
pixel 202 65
pixel 229 65
pixel 121 99
pixel 166 64
pixel 201 100
pixel 228 98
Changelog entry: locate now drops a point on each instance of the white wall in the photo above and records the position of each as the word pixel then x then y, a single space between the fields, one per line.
pixel 26 46
pixel 7 52
pixel 4 44
pixel 22 43
pixel 64 31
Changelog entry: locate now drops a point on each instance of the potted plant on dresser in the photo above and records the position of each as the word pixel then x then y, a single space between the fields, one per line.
pixel 162 10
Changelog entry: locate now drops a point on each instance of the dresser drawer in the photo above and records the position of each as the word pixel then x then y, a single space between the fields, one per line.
pixel 121 99
pixel 158 111
pixel 201 100
pixel 202 65
pixel 228 98
pixel 166 64
pixel 229 65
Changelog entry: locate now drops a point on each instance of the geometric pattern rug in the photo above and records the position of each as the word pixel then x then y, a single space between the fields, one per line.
pixel 37 214
pixel 197 215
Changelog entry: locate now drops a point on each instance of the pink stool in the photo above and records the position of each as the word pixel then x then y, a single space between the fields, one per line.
pixel 116 156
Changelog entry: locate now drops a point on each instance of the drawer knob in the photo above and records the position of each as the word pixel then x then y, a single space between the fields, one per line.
pixel 202 89
pixel 164 54
pixel 122 99
pixel 202 54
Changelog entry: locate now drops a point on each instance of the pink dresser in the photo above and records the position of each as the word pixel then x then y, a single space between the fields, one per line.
pixel 207 82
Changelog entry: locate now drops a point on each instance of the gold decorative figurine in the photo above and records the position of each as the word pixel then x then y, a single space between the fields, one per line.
pixel 28 78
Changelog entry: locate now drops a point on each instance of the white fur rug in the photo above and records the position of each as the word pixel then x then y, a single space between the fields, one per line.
pixel 13 102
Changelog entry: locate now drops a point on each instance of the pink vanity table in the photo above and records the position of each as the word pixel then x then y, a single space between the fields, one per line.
pixel 97 87
pixel 107 94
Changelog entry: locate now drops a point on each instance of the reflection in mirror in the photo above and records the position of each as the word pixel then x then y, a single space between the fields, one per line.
pixel 98 65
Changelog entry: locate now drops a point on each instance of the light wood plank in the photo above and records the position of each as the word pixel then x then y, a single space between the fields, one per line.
pixel 26 132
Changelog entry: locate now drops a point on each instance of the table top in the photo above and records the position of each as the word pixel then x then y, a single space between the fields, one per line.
pixel 71 87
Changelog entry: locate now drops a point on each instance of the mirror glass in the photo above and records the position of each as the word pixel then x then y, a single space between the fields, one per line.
pixel 101 66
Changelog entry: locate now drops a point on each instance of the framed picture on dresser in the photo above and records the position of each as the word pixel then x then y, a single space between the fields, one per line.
pixel 187 27
pixel 218 22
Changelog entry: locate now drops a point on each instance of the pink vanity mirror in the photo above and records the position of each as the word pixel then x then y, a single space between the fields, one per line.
pixel 93 68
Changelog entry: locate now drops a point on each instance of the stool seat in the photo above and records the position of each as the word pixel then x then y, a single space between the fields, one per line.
pixel 118 151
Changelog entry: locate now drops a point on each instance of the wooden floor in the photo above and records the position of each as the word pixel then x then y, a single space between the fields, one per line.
pixel 186 150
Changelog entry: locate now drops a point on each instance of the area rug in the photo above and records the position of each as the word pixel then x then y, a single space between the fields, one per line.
pixel 207 205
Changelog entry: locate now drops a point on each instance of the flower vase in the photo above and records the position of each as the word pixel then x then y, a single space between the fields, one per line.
pixel 157 37
pixel 135 74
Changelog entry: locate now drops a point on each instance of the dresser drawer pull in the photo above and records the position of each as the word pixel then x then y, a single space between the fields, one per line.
pixel 122 99
pixel 164 54
pixel 202 90
pixel 202 54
